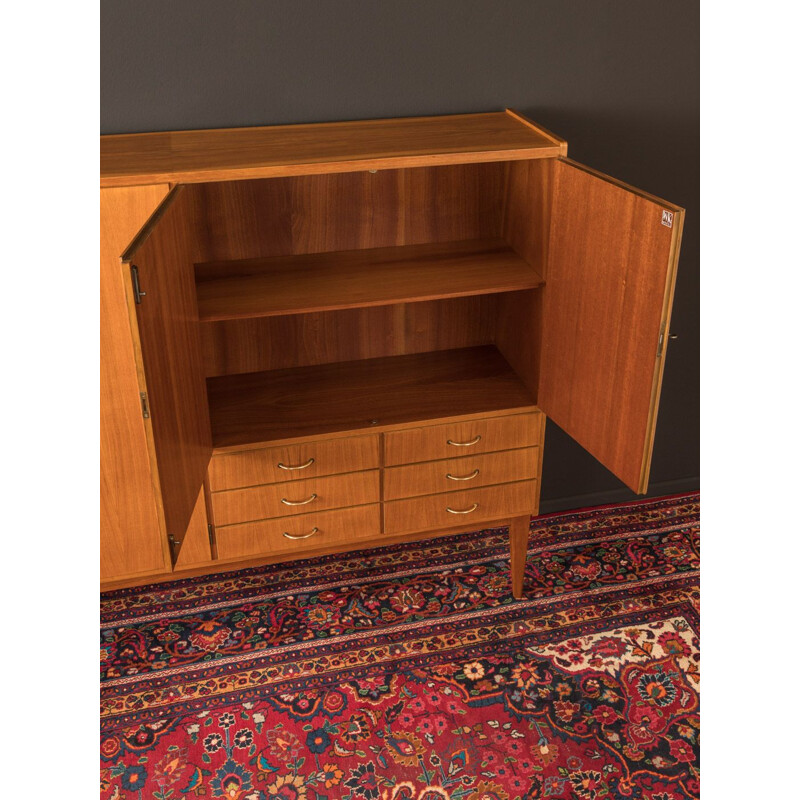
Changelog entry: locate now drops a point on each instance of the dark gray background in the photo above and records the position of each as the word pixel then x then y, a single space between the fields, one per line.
pixel 619 79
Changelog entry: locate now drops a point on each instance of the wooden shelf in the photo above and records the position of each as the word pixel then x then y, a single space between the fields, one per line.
pixel 266 287
pixel 280 150
pixel 372 394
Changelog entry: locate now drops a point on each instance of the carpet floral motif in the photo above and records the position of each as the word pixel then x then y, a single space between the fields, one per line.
pixel 409 673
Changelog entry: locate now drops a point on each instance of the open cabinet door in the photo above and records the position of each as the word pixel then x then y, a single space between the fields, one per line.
pixel 611 268
pixel 163 307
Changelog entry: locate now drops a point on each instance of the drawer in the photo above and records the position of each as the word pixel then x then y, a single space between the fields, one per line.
pixel 468 472
pixel 300 461
pixel 430 512
pixel 461 438
pixel 343 527
pixel 296 497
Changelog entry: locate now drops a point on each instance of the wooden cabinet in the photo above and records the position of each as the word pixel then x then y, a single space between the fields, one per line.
pixel 318 337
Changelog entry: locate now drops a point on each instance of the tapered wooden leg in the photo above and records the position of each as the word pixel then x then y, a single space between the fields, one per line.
pixel 518 542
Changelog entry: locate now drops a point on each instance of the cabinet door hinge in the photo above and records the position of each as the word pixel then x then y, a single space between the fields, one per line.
pixel 210 534
pixel 138 294
pixel 145 407
pixel 661 334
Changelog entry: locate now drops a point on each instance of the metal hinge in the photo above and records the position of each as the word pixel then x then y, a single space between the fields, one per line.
pixel 145 407
pixel 138 294
pixel 210 534
pixel 661 339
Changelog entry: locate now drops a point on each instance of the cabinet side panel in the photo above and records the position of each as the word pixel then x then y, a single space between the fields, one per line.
pixel 518 334
pixel 131 540
pixel 526 221
pixel 526 227
pixel 613 254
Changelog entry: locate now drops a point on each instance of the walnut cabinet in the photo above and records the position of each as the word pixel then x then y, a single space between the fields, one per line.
pixel 333 336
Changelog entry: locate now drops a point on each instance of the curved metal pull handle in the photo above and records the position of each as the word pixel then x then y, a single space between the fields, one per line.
pixel 298 502
pixel 299 466
pixel 473 474
pixel 466 511
pixel 465 444
pixel 302 536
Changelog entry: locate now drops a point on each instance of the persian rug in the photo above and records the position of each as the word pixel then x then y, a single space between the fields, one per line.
pixel 410 673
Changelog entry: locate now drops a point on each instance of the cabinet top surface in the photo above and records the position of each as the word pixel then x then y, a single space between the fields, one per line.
pixel 243 153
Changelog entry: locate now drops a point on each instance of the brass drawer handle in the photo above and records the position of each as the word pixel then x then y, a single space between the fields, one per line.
pixel 469 477
pixel 302 536
pixel 466 511
pixel 465 444
pixel 299 466
pixel 298 502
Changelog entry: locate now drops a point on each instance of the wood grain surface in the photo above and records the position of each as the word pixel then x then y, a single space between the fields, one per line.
pixel 431 477
pixel 436 441
pixel 526 227
pixel 300 462
pixel 254 560
pixel 371 394
pixel 132 540
pixel 490 503
pixel 195 545
pixel 315 494
pixel 170 354
pixel 610 279
pixel 299 340
pixel 553 137
pixel 518 535
pixel 351 211
pixel 238 153
pixel 357 278
pixel 339 529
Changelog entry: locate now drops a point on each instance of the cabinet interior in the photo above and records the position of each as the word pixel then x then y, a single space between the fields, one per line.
pixel 341 301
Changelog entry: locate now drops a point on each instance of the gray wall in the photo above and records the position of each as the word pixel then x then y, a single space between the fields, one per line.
pixel 619 79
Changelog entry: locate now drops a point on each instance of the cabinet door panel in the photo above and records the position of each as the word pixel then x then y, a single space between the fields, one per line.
pixel 169 348
pixel 130 535
pixel 612 262
pixel 195 548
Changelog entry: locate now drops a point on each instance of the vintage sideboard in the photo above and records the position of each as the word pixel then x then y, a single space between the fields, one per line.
pixel 324 337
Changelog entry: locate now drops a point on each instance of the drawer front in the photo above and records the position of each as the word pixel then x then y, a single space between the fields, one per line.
pixel 481 505
pixel 296 497
pixel 468 472
pixel 340 527
pixel 299 461
pixel 461 439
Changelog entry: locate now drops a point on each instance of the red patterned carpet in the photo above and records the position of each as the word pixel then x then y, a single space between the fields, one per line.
pixel 409 672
